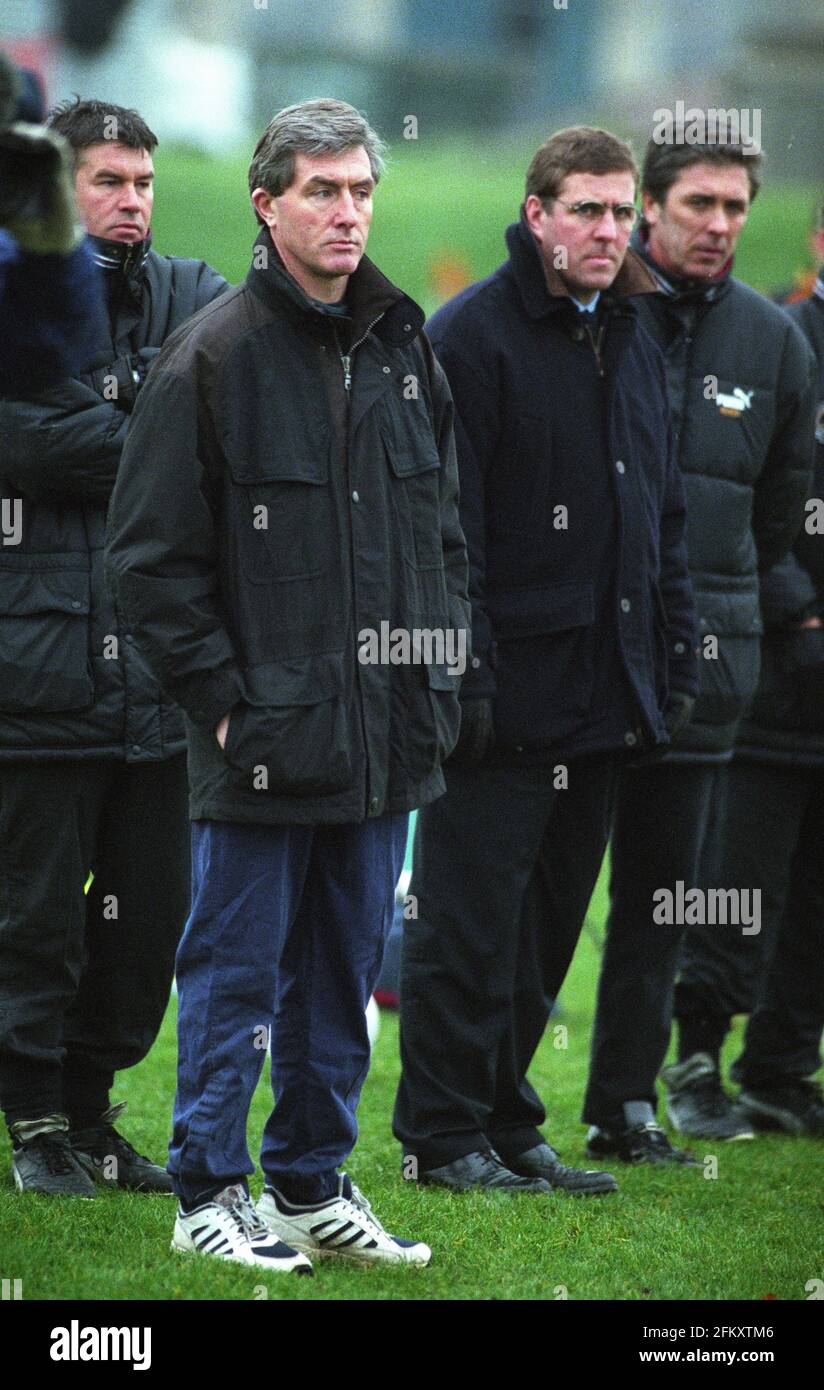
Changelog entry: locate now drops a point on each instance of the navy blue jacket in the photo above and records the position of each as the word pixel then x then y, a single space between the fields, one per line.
pixel 573 511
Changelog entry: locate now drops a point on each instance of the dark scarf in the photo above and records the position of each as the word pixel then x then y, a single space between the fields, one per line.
pixel 682 288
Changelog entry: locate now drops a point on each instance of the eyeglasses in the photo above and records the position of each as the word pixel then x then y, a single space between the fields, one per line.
pixel 625 214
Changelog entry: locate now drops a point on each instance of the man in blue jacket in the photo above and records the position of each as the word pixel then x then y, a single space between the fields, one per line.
pixel 582 621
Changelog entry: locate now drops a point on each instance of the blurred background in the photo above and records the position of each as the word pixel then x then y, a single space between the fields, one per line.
pixel 462 90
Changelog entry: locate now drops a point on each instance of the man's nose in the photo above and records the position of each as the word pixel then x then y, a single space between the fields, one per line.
pixel 346 210
pixel 719 223
pixel 128 196
pixel 606 228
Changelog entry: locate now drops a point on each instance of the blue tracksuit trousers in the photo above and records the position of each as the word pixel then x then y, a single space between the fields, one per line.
pixel 286 933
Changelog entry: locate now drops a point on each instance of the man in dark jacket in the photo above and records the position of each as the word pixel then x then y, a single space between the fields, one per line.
pixel 92 770
pixel 740 378
pixel 289 487
pixel 582 619
pixel 774 842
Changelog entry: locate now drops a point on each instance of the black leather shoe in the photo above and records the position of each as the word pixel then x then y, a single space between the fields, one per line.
pixel 42 1160
pixel 108 1158
pixel 542 1162
pixel 644 1143
pixel 481 1170
pixel 796 1107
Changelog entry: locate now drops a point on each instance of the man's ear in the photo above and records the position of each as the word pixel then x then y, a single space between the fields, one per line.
pixel 651 209
pixel 818 242
pixel 534 211
pixel 264 204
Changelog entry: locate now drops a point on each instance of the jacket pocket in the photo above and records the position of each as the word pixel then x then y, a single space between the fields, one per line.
pixel 415 469
pixel 290 735
pixel 44 642
pixel 282 515
pixel 542 610
pixel 729 656
pixel 544 672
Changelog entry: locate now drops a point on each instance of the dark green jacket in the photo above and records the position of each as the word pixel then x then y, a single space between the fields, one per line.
pixel 264 517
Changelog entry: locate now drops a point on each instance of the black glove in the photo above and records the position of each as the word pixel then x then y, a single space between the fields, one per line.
pixel 678 713
pixel 477 733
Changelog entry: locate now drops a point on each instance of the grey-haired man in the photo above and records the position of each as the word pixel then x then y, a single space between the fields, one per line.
pixel 290 484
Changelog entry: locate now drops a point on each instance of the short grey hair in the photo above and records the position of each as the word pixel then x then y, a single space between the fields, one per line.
pixel 316 127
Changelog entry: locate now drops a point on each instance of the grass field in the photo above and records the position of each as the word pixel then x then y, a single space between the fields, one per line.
pixel 755 1230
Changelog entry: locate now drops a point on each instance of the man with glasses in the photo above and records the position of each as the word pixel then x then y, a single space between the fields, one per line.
pixel 582 618
pixel 741 381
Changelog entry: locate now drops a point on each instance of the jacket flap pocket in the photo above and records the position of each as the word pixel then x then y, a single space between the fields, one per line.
pixel 305 680
pixel 534 612
pixel 408 456
pixel 274 466
pixel 444 677
pixel 23 593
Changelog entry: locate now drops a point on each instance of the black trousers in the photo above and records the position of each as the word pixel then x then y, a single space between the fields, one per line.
pixel 504 867
pixel 85 979
pixel 663 816
pixel 774 844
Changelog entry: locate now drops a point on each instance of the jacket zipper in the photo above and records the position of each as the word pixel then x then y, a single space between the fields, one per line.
pixel 346 358
pixel 346 363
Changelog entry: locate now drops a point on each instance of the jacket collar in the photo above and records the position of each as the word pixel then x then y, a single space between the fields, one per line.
pixel 124 258
pixel 373 300
pixel 682 289
pixel 818 287
pixel 541 287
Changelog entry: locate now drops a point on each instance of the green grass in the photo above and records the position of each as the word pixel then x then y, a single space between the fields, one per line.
pixel 447 201
pixel 756 1229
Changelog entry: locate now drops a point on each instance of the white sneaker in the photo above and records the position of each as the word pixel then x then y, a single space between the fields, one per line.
pixel 344 1225
pixel 229 1227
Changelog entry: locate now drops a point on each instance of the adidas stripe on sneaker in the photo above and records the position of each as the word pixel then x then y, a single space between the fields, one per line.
pixel 229 1228
pixel 343 1226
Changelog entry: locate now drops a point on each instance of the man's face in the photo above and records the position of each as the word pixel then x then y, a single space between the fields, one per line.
pixel 586 255
pixel 320 223
pixel 114 190
pixel 694 231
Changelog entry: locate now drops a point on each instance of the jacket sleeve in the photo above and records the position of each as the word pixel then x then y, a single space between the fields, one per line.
pixel 63 443
pixel 452 536
pixel 162 554
pixel 782 487
pixel 210 285
pixel 66 442
pixel 675 583
pixel 476 432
